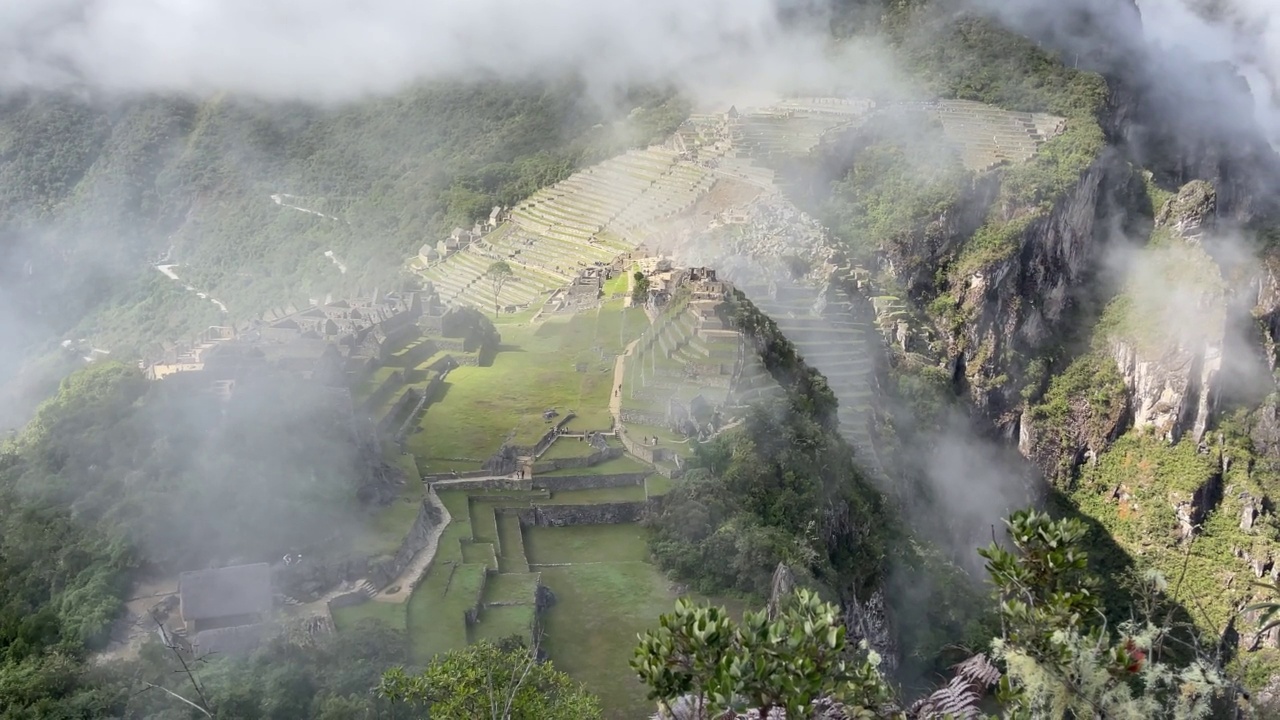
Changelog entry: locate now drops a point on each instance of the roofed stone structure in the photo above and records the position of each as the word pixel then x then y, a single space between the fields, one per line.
pixel 240 640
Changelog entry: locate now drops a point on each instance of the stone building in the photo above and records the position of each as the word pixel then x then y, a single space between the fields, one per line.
pixel 224 610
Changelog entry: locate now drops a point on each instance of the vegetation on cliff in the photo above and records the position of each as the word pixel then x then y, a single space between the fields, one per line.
pixel 783 487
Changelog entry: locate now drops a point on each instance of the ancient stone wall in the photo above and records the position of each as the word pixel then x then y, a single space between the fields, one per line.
pixel 409 399
pixel 420 352
pixel 355 597
pixel 567 515
pixel 486 483
pixel 394 338
pixel 648 453
pixel 431 324
pixel 429 394
pixel 465 475
pixel 594 458
pixel 587 482
pixel 472 614
pixel 643 417
pixel 451 344
pixel 715 374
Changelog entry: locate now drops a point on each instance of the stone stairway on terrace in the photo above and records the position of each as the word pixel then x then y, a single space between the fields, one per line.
pixel 686 353
pixel 833 341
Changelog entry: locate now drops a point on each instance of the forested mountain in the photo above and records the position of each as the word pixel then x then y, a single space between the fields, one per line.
pixel 1095 328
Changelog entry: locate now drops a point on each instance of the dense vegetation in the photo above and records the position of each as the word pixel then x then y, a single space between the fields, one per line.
pixel 1053 657
pixel 116 474
pixel 783 487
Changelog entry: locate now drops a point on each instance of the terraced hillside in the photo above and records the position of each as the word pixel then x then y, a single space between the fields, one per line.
pixel 612 208
pixel 560 558
pixel 985 136
pixel 832 338
pixel 988 136
pixel 588 219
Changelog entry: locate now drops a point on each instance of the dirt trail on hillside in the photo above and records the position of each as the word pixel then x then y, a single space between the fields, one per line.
pixel 418 566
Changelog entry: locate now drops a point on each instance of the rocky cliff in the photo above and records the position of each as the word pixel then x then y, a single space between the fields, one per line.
pixel 1168 340
pixel 1014 307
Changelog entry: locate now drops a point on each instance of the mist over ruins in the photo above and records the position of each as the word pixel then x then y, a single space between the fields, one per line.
pixel 847 359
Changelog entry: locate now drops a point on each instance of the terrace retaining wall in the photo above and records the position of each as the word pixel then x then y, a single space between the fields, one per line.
pixel 411 397
pixel 567 515
pixel 594 458
pixel 485 483
pixel 589 482
pixel 648 453
pixel 643 417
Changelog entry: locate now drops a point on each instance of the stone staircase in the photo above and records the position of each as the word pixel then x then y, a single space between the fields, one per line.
pixel 367 588
pixel 828 334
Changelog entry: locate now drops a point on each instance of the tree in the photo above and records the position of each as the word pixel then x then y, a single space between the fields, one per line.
pixel 639 288
pixel 1059 659
pixel 497 682
pixel 765 664
pixel 498 273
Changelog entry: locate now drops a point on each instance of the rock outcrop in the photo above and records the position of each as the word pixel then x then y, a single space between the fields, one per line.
pixel 1012 308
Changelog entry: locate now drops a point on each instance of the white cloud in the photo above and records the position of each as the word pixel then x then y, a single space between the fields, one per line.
pixel 341 49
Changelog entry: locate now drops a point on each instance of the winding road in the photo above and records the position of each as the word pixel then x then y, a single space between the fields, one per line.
pixel 169 273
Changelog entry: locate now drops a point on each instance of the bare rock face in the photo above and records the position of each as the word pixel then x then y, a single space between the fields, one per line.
pixel 1171 392
pixel 1170 345
pixel 1017 304
pixel 869 620
pixel 1192 211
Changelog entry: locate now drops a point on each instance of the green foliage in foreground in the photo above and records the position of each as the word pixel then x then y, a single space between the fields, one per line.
pixel 1060 660
pixel 762 663
pixel 491 681
pixel 1055 657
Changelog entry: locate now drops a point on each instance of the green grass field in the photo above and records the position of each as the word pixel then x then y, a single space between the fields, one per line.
pixel 567 448
pixel 617 466
pixel 504 621
pixel 591 629
pixel 390 614
pixel 591 496
pixel 387 526
pixel 435 609
pixel 585 543
pixel 535 370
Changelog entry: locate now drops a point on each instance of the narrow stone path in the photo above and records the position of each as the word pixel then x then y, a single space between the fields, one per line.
pixel 342 268
pixel 421 561
pixel 615 400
